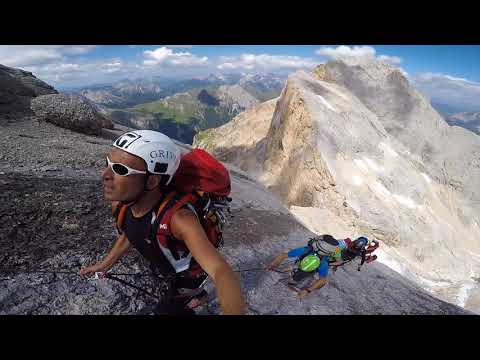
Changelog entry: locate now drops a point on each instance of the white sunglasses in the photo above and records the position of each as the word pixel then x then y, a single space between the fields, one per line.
pixel 122 170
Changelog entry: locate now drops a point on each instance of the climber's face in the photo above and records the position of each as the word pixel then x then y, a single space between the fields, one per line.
pixel 119 183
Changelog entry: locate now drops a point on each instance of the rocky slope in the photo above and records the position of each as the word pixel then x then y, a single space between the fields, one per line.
pixel 235 98
pixel 357 146
pixel 233 144
pixel 56 219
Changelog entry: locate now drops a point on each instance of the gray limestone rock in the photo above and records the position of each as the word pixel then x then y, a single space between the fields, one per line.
pixel 70 112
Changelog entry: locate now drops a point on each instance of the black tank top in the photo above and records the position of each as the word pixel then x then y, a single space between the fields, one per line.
pixel 138 234
pixel 138 231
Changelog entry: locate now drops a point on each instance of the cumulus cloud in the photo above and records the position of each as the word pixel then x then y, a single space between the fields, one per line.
pixel 164 56
pixel 450 90
pixel 17 56
pixel 355 54
pixel 114 66
pixel 62 65
pixel 82 73
pixel 31 55
pixel 264 62
pixel 390 59
pixel 77 50
pixel 343 51
pixel 179 46
pixel 67 66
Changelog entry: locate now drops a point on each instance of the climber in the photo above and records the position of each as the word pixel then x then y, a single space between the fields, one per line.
pixel 167 227
pixel 319 254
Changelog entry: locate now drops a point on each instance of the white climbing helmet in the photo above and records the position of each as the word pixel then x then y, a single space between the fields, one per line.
pixel 160 153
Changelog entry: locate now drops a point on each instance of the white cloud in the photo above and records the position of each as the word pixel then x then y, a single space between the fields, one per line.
pixel 69 67
pixel 431 77
pixel 453 78
pixel 164 56
pixel 18 56
pixel 64 71
pixel 355 54
pixel 31 55
pixel 179 46
pixel 450 90
pixel 343 51
pixel 264 62
pixel 112 67
pixel 113 64
pixel 82 72
pixel 390 59
pixel 77 50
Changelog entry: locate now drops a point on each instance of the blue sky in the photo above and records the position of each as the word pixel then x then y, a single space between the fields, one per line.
pixel 457 60
pixel 442 72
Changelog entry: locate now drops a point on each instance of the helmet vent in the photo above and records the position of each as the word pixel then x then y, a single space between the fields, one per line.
pixel 160 167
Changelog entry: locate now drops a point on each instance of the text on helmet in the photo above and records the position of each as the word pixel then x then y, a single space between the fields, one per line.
pixel 164 154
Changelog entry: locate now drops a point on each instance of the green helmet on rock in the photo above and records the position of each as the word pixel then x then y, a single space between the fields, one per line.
pixel 160 153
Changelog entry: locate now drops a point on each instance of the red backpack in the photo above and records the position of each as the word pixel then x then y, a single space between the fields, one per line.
pixel 204 183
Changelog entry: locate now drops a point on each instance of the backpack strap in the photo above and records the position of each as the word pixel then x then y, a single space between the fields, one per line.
pixel 189 198
pixel 164 203
pixel 121 211
pixel 119 215
pixel 171 204
pixel 160 212
pixel 166 216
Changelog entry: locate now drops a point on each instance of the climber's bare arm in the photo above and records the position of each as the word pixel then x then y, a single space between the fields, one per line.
pixel 316 285
pixel 186 227
pixel 119 248
pixel 277 261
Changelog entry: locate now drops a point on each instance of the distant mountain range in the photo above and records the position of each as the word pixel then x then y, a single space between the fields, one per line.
pixel 128 93
pixel 469 120
pixel 445 110
pixel 182 108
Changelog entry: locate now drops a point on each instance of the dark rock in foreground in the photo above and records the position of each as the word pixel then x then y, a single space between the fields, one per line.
pixel 17 88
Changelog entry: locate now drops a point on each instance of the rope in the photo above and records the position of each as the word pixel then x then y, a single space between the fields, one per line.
pixel 16 270
pixel 252 269
pixel 13 270
pixel 126 283
pixel 113 276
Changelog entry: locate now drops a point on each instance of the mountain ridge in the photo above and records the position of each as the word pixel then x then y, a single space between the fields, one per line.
pixel 361 146
pixel 182 114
